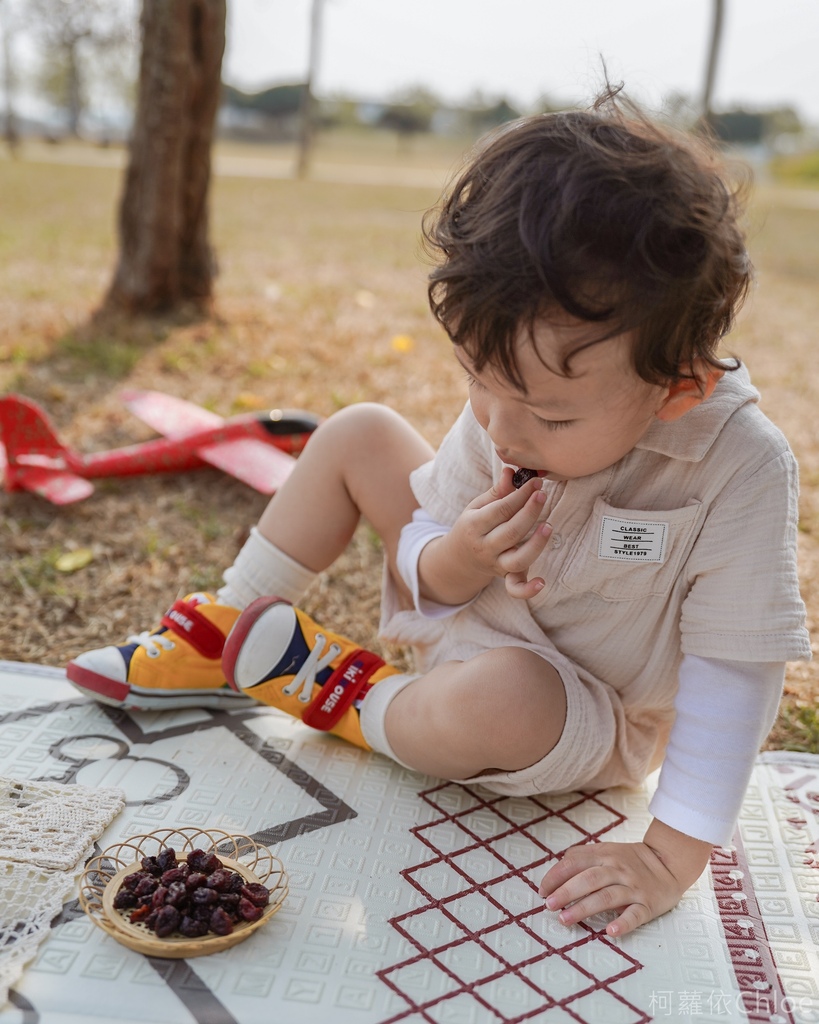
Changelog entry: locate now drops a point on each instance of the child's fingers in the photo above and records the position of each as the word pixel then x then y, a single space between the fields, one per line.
pixel 503 500
pixel 528 551
pixel 517 585
pixel 520 560
pixel 632 917
pixel 507 523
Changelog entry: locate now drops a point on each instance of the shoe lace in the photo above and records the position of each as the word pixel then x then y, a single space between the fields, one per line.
pixel 153 643
pixel 312 664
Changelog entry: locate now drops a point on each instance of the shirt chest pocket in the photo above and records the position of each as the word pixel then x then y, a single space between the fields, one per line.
pixel 628 554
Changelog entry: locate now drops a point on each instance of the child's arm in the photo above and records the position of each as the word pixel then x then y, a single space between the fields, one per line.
pixel 640 880
pixel 724 710
pixel 495 535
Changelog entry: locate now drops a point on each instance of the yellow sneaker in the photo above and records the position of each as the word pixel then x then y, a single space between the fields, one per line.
pixel 177 665
pixel 277 654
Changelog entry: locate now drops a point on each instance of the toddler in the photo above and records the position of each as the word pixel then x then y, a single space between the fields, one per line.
pixel 630 605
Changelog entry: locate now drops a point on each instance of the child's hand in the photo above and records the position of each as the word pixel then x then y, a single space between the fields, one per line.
pixel 639 880
pixel 496 535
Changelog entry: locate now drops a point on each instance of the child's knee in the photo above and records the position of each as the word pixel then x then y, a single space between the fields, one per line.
pixel 523 697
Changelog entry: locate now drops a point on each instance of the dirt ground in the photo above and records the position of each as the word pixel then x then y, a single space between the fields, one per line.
pixel 320 303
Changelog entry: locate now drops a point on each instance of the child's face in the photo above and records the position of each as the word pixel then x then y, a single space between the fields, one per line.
pixel 565 427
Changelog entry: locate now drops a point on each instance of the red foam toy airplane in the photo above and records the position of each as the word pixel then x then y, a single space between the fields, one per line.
pixel 257 448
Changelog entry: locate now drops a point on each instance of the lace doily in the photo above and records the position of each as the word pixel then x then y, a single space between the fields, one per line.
pixel 47 832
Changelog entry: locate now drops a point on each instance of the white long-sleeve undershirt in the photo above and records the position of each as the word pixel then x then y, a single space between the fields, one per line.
pixel 724 710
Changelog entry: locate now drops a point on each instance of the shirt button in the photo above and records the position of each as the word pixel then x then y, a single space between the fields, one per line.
pixel 557 541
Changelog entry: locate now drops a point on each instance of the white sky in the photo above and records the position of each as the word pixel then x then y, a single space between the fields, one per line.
pixel 526 48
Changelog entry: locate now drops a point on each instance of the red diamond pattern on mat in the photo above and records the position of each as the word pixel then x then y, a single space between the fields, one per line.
pixel 487 948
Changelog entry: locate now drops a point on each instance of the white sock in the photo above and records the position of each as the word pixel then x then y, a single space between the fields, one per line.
pixel 374 710
pixel 261 570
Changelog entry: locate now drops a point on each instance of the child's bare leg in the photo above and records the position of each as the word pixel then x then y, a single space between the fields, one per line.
pixel 502 710
pixel 357 463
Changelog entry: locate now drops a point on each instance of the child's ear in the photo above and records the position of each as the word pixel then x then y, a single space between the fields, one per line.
pixel 688 392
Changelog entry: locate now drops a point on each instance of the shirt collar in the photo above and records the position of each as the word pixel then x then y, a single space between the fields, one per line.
pixel 690 437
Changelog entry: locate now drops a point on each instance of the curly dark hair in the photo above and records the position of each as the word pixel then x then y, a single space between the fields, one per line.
pixel 601 214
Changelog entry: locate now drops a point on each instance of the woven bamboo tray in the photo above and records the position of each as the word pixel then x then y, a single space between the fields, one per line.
pixel 104 873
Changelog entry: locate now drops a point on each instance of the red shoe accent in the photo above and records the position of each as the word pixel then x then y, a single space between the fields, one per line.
pixel 89 680
pixel 341 689
pixel 205 637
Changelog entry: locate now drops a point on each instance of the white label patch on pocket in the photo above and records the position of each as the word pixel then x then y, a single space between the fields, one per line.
pixel 626 540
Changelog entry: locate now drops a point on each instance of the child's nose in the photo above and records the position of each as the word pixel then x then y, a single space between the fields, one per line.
pixel 505 428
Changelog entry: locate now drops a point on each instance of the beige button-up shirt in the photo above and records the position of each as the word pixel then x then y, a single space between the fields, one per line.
pixel 687 545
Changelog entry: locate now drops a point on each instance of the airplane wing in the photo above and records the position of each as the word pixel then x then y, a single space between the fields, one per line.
pixel 259 465
pixel 168 415
pixel 58 486
pixel 255 463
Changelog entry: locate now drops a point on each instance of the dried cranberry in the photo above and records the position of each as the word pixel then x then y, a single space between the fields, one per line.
pixel 166 922
pixel 220 922
pixel 211 863
pixel 249 911
pixel 219 880
pixel 204 862
pixel 258 894
pixel 195 879
pixel 146 886
pixel 159 897
pixel 132 881
pixel 236 882
pixel 177 894
pixel 195 859
pixel 140 913
pixel 124 900
pixel 192 928
pixel 522 476
pixel 205 896
pixel 229 900
pixel 150 865
pixel 166 859
pixel 174 875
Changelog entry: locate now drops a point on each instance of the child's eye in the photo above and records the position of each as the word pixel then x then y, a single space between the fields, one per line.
pixel 555 424
pixel 470 380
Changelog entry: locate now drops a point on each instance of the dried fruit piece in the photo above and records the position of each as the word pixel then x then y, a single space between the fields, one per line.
pixel 219 880
pixel 147 884
pixel 191 928
pixel 150 865
pixel 177 874
pixel 177 894
pixel 204 895
pixel 166 922
pixel 166 858
pixel 159 897
pixel 249 911
pixel 257 893
pixel 124 900
pixel 220 922
pixel 522 476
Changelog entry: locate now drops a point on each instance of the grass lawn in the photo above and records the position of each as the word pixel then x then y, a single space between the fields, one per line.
pixel 321 284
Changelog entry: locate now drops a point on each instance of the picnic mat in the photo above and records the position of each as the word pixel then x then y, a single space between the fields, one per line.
pixel 410 900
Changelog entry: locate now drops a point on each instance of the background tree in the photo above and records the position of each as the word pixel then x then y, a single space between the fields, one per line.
pixel 165 258
pixel 75 35
pixel 7 28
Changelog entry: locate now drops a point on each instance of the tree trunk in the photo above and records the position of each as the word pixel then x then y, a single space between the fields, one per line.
pixel 75 97
pixel 165 258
